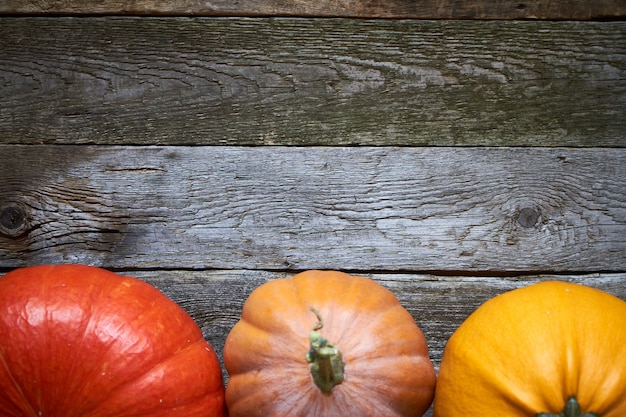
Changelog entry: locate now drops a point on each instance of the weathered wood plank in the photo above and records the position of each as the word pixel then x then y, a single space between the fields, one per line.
pixel 305 82
pixel 438 304
pixel 356 208
pixel 422 9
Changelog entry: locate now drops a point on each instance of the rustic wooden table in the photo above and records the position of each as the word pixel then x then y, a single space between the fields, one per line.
pixel 450 150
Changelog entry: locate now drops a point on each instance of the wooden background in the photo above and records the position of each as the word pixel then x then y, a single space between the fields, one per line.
pixel 450 150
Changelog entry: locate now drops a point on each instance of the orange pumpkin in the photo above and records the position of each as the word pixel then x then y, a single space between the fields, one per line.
pixel 547 350
pixel 326 344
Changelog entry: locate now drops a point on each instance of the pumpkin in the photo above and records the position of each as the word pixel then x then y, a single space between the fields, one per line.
pixel 551 349
pixel 82 341
pixel 324 343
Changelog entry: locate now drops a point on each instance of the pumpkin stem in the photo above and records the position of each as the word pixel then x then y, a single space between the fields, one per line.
pixel 327 367
pixel 572 409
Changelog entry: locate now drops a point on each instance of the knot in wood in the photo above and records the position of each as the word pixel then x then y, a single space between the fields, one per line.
pixel 527 217
pixel 13 219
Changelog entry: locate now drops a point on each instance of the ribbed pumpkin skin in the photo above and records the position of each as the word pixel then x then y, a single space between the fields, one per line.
pixel 387 369
pixel 528 350
pixel 80 341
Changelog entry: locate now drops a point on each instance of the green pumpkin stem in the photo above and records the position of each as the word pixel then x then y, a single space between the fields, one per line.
pixel 572 409
pixel 327 366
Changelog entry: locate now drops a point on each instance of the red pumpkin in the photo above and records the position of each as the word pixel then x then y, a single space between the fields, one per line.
pixel 83 341
pixel 324 343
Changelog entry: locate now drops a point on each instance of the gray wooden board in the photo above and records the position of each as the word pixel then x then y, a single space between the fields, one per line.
pixel 285 208
pixel 438 9
pixel 131 80
pixel 439 304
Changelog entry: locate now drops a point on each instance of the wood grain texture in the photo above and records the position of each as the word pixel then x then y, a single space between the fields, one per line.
pixel 291 208
pixel 184 81
pixel 438 304
pixel 420 9
pixel 491 154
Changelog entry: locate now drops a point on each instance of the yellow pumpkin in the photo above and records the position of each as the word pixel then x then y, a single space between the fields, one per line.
pixel 546 350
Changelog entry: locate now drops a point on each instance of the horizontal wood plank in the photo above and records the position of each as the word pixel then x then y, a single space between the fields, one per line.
pixel 355 208
pixel 129 80
pixel 421 9
pixel 438 304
